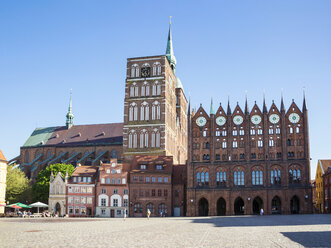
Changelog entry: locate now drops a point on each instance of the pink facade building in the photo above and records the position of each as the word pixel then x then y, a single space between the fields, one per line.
pixel 80 200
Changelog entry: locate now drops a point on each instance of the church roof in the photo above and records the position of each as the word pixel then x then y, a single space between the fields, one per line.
pixel 2 157
pixel 111 133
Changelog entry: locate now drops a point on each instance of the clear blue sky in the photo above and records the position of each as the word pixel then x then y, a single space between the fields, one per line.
pixel 222 48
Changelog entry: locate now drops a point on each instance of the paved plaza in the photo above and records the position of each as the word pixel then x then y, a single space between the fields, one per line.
pixel 232 231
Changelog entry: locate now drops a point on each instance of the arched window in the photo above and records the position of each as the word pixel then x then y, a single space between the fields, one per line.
pixel 26 157
pixel 138 208
pixel 198 177
pixel 132 139
pixel 239 177
pixel 135 70
pixel 144 111
pixel 133 112
pixel 144 139
pixel 257 176
pixel 134 90
pixel 206 177
pixel 202 177
pixel 155 138
pixel 156 69
pixel 156 89
pixel 156 111
pixel 220 176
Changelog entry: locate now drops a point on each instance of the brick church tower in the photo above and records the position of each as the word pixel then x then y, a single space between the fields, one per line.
pixel 155 108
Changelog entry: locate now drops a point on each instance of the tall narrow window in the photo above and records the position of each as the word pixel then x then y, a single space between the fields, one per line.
pixel 147 112
pixel 130 140
pixel 158 142
pixel 135 138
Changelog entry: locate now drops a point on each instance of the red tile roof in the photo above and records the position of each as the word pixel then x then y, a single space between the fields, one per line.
pixel 2 157
pixel 326 163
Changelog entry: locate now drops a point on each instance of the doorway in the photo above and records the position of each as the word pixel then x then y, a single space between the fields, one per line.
pixel 276 205
pixel 295 205
pixel 221 206
pixel 203 207
pixel 257 205
pixel 239 206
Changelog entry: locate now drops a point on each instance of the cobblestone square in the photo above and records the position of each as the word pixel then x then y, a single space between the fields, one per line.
pixel 232 231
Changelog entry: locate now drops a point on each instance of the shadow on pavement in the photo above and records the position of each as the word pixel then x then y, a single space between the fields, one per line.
pixel 310 239
pixel 267 220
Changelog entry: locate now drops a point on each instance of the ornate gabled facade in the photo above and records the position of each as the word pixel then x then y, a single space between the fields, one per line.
pixel 241 161
pixel 155 108
pixel 57 194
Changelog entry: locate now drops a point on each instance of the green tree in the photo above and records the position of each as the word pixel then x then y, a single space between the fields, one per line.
pixel 18 186
pixel 41 187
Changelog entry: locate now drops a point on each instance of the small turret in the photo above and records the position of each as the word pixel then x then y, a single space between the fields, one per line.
pixel 52 177
pixel 70 115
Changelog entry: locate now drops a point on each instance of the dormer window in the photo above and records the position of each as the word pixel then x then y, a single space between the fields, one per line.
pixel 159 167
pixel 143 167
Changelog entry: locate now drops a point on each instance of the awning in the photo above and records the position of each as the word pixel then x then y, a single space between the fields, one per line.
pixel 73 156
pixel 84 157
pixel 57 158
pixel 99 157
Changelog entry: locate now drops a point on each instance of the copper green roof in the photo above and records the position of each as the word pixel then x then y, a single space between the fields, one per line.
pixel 111 133
pixel 40 136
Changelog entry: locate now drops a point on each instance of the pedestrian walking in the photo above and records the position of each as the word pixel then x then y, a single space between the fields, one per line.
pixel 124 216
pixel 261 211
pixel 148 213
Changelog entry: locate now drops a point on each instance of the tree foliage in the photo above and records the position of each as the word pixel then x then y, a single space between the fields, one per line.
pixel 18 186
pixel 41 187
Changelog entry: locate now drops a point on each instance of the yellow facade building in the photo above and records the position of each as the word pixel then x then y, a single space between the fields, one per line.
pixel 322 167
pixel 3 176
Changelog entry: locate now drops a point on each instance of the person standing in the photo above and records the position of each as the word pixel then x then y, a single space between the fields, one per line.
pixel 261 211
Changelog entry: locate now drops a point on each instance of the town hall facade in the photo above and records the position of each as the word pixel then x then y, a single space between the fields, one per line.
pixel 185 162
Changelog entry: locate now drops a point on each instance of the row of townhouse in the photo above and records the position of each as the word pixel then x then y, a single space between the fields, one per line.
pixel 115 189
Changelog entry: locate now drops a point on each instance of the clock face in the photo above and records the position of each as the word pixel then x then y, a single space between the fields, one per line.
pixel 294 118
pixel 238 119
pixel 274 118
pixel 145 72
pixel 220 120
pixel 201 121
pixel 256 119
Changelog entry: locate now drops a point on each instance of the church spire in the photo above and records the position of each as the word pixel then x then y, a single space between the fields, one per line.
pixel 282 107
pixel 229 109
pixel 304 107
pixel 264 105
pixel 70 115
pixel 246 106
pixel 170 51
pixel 211 107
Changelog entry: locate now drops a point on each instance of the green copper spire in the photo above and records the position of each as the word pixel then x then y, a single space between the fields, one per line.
pixel 170 51
pixel 70 115
pixel 211 107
